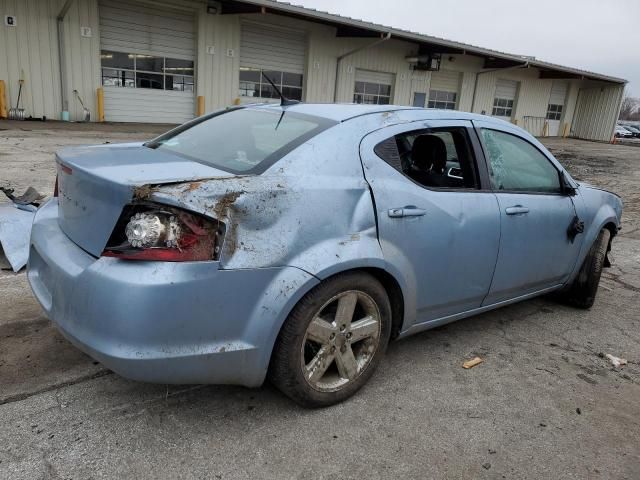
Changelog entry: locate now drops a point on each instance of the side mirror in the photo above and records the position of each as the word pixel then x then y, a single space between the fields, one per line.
pixel 567 188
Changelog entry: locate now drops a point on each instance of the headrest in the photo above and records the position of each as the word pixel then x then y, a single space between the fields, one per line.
pixel 429 152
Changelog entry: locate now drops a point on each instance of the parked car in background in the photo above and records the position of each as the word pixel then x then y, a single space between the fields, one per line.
pixel 622 132
pixel 293 242
pixel 635 131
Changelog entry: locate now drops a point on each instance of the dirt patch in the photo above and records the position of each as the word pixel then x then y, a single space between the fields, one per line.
pixel 225 204
pixel 586 166
pixel 143 192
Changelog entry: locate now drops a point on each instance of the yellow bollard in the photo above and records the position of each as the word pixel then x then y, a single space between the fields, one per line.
pixel 3 100
pixel 100 103
pixel 236 101
pixel 200 106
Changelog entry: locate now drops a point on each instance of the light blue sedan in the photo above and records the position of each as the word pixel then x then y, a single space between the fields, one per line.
pixel 293 242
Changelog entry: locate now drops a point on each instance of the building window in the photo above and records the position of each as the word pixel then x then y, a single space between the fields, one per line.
pixel 441 99
pixel 554 112
pixel 372 93
pixel 502 107
pixel 134 70
pixel 253 83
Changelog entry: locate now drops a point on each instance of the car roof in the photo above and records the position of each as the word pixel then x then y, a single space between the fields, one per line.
pixel 341 112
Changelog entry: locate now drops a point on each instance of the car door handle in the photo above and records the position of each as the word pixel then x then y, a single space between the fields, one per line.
pixel 516 210
pixel 408 211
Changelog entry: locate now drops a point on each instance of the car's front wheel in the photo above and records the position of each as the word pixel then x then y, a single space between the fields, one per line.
pixel 332 341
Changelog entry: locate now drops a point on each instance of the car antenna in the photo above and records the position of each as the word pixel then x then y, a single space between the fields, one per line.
pixel 284 101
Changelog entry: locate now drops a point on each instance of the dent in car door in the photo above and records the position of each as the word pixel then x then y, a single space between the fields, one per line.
pixel 444 241
pixel 536 251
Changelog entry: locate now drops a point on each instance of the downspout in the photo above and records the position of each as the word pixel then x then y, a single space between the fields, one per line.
pixel 475 87
pixel 384 38
pixel 62 59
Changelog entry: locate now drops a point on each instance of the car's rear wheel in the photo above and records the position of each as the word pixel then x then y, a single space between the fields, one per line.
pixel 332 341
pixel 582 292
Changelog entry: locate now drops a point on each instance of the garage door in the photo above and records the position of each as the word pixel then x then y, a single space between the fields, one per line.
pixel 555 107
pixel 373 87
pixel 444 90
pixel 504 99
pixel 279 53
pixel 147 57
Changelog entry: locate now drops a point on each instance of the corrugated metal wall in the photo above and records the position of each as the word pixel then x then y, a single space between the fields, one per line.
pixel 82 55
pixel 30 50
pixel 217 74
pixel 466 91
pixel 597 111
pixel 569 106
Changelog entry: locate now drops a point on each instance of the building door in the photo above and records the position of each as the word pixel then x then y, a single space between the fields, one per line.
pixel 278 54
pixel 504 99
pixel 373 87
pixel 555 107
pixel 147 59
pixel 444 90
pixel 419 99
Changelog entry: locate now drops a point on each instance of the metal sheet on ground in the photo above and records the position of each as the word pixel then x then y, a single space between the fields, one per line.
pixel 15 228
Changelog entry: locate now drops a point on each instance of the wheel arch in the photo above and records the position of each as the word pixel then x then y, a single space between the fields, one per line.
pixel 398 289
pixel 395 294
pixel 605 218
pixel 613 228
pixel 390 283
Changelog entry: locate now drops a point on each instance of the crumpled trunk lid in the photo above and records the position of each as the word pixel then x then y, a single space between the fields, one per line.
pixel 95 183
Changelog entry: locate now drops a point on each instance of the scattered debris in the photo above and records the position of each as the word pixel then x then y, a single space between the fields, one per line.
pixel 616 361
pixel 486 466
pixel 30 197
pixel 15 226
pixel 578 411
pixel 472 363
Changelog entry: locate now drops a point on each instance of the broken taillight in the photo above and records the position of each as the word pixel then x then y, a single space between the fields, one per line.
pixel 158 233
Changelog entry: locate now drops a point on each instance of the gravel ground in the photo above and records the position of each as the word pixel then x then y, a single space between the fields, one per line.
pixel 544 404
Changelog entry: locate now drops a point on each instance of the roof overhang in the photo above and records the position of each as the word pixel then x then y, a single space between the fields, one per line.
pixel 349 27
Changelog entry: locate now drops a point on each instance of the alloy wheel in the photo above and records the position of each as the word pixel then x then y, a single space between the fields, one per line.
pixel 341 340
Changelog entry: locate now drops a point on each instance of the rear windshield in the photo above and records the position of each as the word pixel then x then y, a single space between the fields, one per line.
pixel 242 141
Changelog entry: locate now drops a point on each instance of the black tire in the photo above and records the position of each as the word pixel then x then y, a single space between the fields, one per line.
pixel 288 362
pixel 582 292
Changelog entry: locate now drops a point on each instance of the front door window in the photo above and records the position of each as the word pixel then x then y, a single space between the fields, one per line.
pixel 516 165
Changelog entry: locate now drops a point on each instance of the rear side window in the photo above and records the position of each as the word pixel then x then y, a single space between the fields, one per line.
pixel 516 165
pixel 433 158
pixel 242 141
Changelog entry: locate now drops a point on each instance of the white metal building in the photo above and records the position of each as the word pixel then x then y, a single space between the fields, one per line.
pixel 168 60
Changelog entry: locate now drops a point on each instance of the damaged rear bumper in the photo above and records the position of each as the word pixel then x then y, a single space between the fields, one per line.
pixel 162 322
